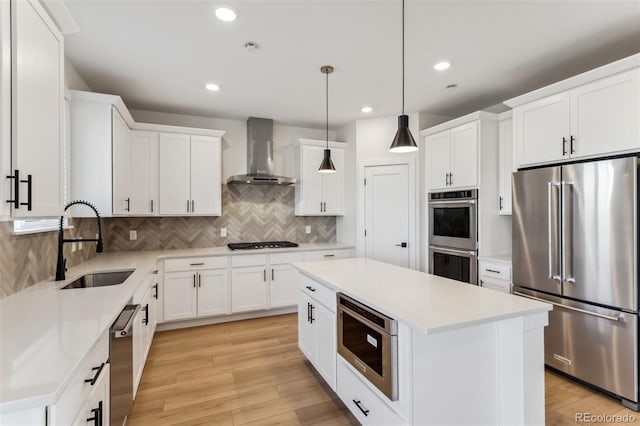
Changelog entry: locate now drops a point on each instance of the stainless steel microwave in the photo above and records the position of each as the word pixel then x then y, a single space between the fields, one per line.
pixel 453 219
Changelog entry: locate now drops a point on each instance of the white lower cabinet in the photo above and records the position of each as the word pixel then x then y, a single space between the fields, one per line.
pixel 95 409
pixel 327 254
pixel 317 328
pixel 495 275
pixel 142 334
pixel 249 288
pixel 358 396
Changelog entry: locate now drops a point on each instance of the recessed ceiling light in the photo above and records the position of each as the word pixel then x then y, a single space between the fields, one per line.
pixel 441 66
pixel 226 14
pixel 366 109
pixel 213 87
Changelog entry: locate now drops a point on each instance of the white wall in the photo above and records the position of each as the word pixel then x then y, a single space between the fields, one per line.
pixel 234 141
pixel 73 80
pixel 346 225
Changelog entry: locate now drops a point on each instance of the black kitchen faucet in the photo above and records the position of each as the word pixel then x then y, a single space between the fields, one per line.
pixel 62 262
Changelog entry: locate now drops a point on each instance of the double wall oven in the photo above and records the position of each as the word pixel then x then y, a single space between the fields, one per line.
pixel 453 235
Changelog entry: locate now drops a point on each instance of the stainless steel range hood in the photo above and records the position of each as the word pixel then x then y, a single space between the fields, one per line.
pixel 260 155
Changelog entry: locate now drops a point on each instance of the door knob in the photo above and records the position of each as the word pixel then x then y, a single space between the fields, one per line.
pixel 401 245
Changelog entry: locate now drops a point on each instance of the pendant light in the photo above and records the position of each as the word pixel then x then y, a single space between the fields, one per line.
pixel 403 141
pixel 327 165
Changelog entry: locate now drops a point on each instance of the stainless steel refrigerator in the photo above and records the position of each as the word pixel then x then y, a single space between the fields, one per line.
pixel 575 239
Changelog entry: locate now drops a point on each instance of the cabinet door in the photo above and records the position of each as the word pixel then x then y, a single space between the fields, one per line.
pixel 438 159
pixel 539 129
pixel 205 176
pixel 213 292
pixel 179 295
pixel 249 288
pixel 37 103
pixel 505 166
pixel 284 286
pixel 142 177
pixel 464 156
pixel 120 144
pixel 309 188
pixel 306 330
pixel 174 170
pixel 605 115
pixel 333 185
pixel 325 330
pixel 96 406
pixel 138 348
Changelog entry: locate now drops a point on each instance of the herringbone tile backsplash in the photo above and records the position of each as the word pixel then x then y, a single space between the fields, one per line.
pixel 250 213
pixel 28 259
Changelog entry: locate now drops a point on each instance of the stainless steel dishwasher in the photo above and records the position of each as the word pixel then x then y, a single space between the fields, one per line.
pixel 121 360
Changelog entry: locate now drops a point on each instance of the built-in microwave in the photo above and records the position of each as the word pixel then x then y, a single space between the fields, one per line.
pixel 453 219
pixel 368 340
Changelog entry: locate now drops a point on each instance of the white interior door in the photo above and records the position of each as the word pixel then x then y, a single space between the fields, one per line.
pixel 387 214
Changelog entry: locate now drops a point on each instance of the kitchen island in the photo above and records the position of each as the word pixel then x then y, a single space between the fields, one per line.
pixel 465 355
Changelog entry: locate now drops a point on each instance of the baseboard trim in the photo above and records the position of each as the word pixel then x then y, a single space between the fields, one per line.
pixel 174 325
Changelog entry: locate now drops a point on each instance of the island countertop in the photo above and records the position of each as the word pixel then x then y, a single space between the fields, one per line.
pixel 427 302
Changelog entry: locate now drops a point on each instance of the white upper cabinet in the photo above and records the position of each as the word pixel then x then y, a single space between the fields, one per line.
pixel 505 165
pixel 35 90
pixel 587 116
pixel 319 194
pixel 190 175
pixel 142 176
pixel 121 151
pixel 452 156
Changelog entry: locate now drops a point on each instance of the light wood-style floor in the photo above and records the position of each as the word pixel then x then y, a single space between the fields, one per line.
pixel 245 372
pixel 251 372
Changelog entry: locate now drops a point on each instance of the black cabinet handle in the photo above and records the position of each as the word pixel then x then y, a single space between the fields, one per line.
pixel 272 274
pixel 403 245
pixel 97 415
pixel 16 189
pixel 500 203
pixel 145 321
pixel 151 206
pixel 29 187
pixel 194 280
pixel 128 208
pixel 188 204
pixel 329 255
pixel 193 206
pixel 311 288
pixel 199 280
pixel 311 314
pixel 155 296
pixel 571 141
pixel 564 146
pixel 98 370
pixel 264 275
pixel 197 264
pixel 364 410
pixel 308 312
pixel 492 270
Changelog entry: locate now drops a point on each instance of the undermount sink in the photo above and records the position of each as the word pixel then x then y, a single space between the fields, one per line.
pixel 99 279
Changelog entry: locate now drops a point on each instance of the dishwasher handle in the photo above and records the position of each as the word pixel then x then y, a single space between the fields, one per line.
pixel 122 326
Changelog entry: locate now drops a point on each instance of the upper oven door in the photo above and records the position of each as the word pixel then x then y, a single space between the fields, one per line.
pixel 453 223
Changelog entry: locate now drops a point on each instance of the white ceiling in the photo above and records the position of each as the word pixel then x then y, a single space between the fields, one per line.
pixel 158 55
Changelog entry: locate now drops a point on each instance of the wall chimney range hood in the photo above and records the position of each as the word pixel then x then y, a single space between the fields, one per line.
pixel 260 155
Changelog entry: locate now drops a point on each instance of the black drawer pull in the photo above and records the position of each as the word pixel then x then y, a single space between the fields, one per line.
pixel 97 415
pixel 145 321
pixel 311 288
pixel 98 370
pixel 16 189
pixel 197 264
pixel 364 410
pixel 493 270
pixel 155 296
pixel 312 319
pixel 29 197
pixel 329 255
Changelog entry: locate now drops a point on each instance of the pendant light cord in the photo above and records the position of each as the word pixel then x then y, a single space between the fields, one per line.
pixel 402 57
pixel 327 102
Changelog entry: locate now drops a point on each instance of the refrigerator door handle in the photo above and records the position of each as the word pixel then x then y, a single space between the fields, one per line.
pixel 553 260
pixel 567 232
pixel 615 318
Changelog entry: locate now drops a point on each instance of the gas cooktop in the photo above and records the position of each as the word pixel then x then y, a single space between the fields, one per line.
pixel 261 245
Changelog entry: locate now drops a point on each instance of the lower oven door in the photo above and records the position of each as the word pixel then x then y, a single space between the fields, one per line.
pixel 459 265
pixel 369 349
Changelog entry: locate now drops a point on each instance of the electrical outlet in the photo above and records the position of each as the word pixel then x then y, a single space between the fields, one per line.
pixel 307 229
pixel 223 232
pixel 133 235
pixel 73 247
pixel 79 245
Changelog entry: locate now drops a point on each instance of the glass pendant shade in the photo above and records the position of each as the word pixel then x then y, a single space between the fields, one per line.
pixel 403 141
pixel 327 165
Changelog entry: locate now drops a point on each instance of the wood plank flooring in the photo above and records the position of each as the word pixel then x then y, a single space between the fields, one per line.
pixel 241 373
pixel 252 373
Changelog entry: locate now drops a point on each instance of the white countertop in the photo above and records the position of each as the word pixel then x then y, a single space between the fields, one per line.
pixel 45 333
pixel 427 302
pixel 500 258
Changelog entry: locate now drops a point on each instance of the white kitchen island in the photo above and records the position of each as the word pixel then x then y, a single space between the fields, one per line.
pixel 466 355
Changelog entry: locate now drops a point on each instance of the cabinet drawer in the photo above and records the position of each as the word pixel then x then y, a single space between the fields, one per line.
pixel 249 260
pixel 357 394
pixel 80 386
pixel 318 291
pixel 279 258
pixel 327 255
pixel 498 271
pixel 195 263
pixel 494 284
